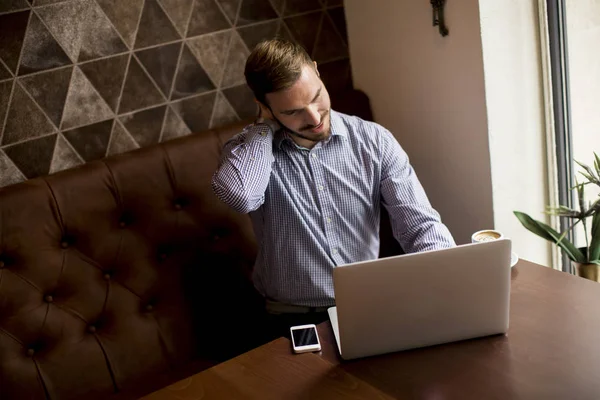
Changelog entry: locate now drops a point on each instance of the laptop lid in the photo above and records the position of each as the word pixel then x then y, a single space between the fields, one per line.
pixel 422 299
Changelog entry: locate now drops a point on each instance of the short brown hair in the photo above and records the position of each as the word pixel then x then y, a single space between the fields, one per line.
pixel 274 65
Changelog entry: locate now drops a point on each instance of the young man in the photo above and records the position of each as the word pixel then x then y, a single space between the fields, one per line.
pixel 313 181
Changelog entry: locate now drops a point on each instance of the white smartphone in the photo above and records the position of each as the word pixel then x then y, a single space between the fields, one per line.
pixel 305 338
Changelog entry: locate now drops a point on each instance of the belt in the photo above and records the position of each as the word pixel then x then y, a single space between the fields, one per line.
pixel 275 307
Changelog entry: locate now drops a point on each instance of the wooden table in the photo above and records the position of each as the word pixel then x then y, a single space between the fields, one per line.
pixel 552 351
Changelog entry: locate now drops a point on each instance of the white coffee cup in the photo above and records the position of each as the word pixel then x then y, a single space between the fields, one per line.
pixel 486 235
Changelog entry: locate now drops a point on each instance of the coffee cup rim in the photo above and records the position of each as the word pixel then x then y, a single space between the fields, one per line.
pixel 486 230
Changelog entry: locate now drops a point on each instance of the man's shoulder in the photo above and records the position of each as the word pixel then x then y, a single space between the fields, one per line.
pixel 357 126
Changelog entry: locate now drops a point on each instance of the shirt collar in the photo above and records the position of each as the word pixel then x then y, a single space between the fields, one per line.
pixel 337 129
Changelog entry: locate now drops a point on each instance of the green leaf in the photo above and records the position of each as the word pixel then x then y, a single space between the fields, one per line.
pixel 594 252
pixel 597 163
pixel 546 232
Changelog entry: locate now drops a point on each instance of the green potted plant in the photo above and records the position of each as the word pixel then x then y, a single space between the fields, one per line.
pixel 586 259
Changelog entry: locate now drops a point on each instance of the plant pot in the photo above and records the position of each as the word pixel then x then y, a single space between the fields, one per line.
pixel 588 271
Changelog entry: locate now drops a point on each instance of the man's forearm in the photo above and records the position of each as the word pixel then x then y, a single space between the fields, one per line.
pixel 245 169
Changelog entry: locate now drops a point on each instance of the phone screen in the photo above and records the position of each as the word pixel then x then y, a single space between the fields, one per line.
pixel 305 336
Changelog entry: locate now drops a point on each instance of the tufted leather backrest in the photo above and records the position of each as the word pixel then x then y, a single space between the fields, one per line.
pixel 122 269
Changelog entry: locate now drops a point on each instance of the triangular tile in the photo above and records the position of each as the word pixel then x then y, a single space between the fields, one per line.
pixel 336 75
pixel 107 76
pixel 99 39
pixel 139 91
pixel 278 6
pixel 230 8
pixel 174 126
pixel 84 105
pixel 223 113
pixel 5 89
pixel 242 100
pixel 65 22
pixel 10 173
pixel 339 20
pixel 124 15
pixel 293 7
pixel 12 33
pixel 303 29
pixel 155 27
pixel 145 126
pixel 40 49
pixel 4 72
pixel 91 141
pixel 210 51
pixel 254 34
pixel 161 62
pixel 236 62
pixel 33 157
pixel 121 141
pixel 253 11
pixel 64 156
pixel 206 17
pixel 330 45
pixel 45 2
pixel 191 78
pixel 284 32
pixel 179 11
pixel 49 90
pixel 12 5
pixel 196 111
pixel 25 119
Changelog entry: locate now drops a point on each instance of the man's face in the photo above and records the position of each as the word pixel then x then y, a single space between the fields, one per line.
pixel 304 107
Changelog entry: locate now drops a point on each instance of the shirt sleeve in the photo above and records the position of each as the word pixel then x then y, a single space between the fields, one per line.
pixel 245 168
pixel 415 224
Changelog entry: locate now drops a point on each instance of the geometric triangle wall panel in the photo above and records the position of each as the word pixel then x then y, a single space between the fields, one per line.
pixel 196 111
pixel 206 17
pixel 252 11
pixel 174 127
pixel 139 91
pixel 40 50
pixel 84 105
pixel 49 90
pixel 230 7
pixel 64 20
pixel 145 126
pixel 25 119
pixel 120 141
pixel 236 62
pixel 9 173
pixel 124 15
pixel 33 157
pixel 12 32
pixel 90 141
pixel 210 51
pixel 254 34
pixel 223 113
pixel 107 75
pixel 179 11
pixel 83 79
pixel 161 62
pixel 64 156
pixel 11 5
pixel 191 78
pixel 99 39
pixel 155 27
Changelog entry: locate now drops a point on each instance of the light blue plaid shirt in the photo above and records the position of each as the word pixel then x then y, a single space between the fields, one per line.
pixel 314 210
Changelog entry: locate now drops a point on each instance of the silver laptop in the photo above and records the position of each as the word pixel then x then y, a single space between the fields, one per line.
pixel 421 299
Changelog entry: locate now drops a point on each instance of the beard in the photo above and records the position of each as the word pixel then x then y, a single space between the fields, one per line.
pixel 305 132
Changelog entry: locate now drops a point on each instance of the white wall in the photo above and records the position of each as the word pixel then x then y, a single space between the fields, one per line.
pixel 430 92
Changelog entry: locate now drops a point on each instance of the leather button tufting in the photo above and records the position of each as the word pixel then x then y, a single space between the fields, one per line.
pixel 48 299
pixel 107 276
pixel 30 352
pixel 64 244
pixel 149 307
pixel 91 329
pixel 178 206
pixel 122 224
pixel 2 265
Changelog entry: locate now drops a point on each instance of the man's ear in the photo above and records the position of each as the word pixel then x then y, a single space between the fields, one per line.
pixel 316 69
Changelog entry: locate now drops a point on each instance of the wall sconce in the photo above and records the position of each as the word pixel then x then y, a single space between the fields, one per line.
pixel 438 16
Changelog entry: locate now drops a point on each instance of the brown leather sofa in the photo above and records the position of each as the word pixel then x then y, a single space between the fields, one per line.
pixel 125 274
